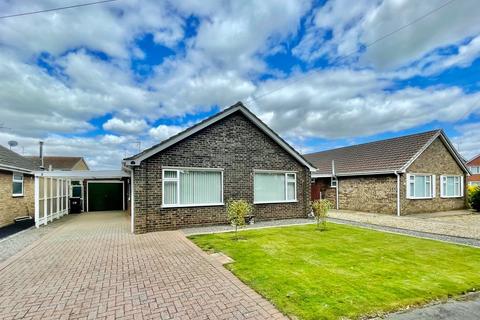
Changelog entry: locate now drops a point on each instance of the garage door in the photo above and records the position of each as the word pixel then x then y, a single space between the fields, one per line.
pixel 103 196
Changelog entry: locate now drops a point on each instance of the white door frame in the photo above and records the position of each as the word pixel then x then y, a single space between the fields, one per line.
pixel 107 181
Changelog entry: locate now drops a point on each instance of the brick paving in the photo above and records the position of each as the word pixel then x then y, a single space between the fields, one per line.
pixel 92 267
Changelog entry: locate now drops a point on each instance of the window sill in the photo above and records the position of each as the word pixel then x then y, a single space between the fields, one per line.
pixel 273 202
pixel 422 198
pixel 17 195
pixel 191 205
pixel 450 197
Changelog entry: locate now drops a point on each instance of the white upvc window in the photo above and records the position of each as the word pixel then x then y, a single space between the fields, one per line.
pixel 192 187
pixel 474 183
pixel 274 186
pixel 474 169
pixel 420 186
pixel 17 185
pixel 333 182
pixel 451 186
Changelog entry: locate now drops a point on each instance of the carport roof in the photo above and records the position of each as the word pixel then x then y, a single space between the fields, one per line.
pixel 103 174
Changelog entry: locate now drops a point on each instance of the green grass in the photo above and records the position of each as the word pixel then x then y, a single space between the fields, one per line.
pixel 345 271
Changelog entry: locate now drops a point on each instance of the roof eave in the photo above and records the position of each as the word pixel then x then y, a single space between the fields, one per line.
pixel 15 169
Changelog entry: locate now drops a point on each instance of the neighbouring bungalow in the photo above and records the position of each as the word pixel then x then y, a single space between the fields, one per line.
pixel 60 163
pixel 16 186
pixel 474 166
pixel 187 179
pixel 417 173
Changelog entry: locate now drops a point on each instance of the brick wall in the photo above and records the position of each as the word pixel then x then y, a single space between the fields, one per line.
pixel 11 207
pixel 437 160
pixel 368 193
pixel 237 146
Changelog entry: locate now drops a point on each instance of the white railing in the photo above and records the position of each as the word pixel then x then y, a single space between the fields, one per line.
pixel 51 198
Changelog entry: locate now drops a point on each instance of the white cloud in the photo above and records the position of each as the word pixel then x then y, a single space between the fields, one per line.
pixel 126 127
pixel 345 103
pixel 468 141
pixel 354 25
pixel 110 28
pixel 163 132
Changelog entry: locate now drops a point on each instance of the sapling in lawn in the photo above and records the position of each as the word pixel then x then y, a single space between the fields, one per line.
pixel 237 210
pixel 320 211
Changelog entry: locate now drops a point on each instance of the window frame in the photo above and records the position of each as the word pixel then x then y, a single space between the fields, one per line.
pixel 286 173
pixel 432 186
pixel 460 185
pixel 476 171
pixel 22 181
pixel 177 180
pixel 333 182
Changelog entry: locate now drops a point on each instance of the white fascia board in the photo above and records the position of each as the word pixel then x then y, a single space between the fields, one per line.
pixel 78 174
pixel 16 169
pixel 321 175
pixel 366 173
pixel 409 162
pixel 261 125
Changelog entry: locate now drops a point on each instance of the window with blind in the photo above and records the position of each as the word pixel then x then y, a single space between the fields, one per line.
pixel 451 187
pixel 192 187
pixel 275 187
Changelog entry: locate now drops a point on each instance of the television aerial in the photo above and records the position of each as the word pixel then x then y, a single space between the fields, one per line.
pixel 12 143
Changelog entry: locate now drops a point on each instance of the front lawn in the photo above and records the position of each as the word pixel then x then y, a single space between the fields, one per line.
pixel 345 271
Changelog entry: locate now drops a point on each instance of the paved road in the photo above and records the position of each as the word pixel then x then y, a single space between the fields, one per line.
pixel 453 310
pixel 93 267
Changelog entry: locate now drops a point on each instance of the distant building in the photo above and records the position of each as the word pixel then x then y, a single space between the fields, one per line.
pixel 61 163
pixel 474 167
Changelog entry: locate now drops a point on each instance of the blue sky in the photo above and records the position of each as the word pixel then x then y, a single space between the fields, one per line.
pixel 94 81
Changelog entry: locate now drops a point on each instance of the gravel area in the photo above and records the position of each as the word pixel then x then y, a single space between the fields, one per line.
pixel 418 234
pixel 257 225
pixel 15 243
pixel 461 225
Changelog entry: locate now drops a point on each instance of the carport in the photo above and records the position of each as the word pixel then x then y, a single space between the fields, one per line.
pixel 97 191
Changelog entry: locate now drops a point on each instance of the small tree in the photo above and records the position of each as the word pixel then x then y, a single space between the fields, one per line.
pixel 474 198
pixel 237 210
pixel 320 211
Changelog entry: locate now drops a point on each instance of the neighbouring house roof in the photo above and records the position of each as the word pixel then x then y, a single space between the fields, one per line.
pixel 58 162
pixel 474 161
pixel 12 161
pixel 385 156
pixel 238 107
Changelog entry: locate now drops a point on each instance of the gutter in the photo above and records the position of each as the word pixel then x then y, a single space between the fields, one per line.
pixel 16 169
pixel 398 193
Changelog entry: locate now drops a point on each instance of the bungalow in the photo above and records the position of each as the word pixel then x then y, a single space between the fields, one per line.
pixel 410 174
pixel 187 179
pixel 16 186
pixel 474 166
pixel 60 163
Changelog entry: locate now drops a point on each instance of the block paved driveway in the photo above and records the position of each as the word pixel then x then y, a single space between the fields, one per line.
pixel 92 267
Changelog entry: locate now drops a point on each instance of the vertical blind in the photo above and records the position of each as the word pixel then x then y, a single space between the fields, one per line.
pixel 420 186
pixel 274 187
pixel 451 186
pixel 192 187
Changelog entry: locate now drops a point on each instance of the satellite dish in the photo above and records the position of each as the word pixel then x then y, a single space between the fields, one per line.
pixel 12 143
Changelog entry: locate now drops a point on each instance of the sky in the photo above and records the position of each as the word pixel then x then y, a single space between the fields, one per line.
pixel 108 80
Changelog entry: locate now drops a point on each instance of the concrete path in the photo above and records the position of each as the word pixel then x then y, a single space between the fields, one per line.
pixel 92 267
pixel 469 309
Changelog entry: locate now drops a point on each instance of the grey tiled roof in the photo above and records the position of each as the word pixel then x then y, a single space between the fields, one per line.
pixel 384 155
pixel 10 158
pixel 57 162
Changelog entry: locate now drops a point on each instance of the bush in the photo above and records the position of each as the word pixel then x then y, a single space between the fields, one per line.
pixel 237 210
pixel 474 198
pixel 320 211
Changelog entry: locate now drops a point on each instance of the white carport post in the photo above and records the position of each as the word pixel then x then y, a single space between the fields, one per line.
pixel 37 200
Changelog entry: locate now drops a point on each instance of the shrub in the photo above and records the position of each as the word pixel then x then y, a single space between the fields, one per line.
pixel 320 211
pixel 237 210
pixel 474 198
